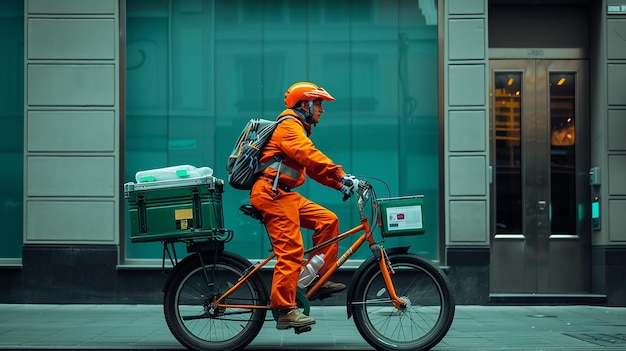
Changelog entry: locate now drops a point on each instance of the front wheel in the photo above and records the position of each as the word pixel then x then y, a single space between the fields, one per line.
pixel 427 307
pixel 199 325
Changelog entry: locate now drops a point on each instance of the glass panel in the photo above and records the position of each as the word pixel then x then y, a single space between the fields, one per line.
pixel 508 157
pixel 197 71
pixel 11 127
pixel 562 152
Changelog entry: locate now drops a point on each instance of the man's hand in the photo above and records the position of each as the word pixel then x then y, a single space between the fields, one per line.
pixel 349 184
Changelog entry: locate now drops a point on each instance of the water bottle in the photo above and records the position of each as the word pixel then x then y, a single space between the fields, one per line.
pixel 309 272
pixel 171 173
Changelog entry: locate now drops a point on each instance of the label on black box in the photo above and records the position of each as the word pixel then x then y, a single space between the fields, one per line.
pixel 184 224
pixel 184 218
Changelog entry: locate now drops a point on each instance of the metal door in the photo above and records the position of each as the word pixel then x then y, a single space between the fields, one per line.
pixel 540 233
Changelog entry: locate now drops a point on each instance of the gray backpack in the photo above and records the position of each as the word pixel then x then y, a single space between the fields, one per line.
pixel 243 163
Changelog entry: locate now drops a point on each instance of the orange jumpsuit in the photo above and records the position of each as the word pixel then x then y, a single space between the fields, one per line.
pixel 285 212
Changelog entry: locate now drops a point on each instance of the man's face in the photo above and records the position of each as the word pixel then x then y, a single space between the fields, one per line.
pixel 317 111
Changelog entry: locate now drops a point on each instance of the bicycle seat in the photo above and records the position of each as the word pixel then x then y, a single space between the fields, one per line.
pixel 251 211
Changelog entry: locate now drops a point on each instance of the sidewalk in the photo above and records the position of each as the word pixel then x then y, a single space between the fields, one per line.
pixel 142 327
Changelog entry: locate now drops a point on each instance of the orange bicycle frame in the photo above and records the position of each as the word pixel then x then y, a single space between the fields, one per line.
pixel 367 235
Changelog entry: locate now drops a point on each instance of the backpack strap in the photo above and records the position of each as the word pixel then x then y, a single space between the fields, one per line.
pixel 277 162
pixel 275 184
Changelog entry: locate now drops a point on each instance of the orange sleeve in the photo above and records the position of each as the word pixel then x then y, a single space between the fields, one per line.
pixel 299 148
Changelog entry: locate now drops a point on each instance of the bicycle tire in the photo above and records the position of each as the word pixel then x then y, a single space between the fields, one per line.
pixel 189 316
pixel 429 309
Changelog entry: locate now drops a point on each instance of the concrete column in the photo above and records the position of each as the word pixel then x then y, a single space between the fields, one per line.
pixel 466 147
pixel 71 156
pixel 608 150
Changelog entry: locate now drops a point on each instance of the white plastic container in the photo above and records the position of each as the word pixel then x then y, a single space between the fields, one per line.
pixel 309 272
pixel 172 173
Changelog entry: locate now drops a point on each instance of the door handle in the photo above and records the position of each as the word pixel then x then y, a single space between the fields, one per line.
pixel 541 205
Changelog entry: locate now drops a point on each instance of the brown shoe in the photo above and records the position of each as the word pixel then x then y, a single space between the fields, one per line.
pixel 327 290
pixel 335 287
pixel 293 318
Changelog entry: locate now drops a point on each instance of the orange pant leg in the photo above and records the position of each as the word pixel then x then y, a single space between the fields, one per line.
pixel 325 225
pixel 281 218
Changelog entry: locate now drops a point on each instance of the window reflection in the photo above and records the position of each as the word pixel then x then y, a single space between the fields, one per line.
pixel 11 127
pixel 198 70
pixel 562 152
pixel 508 173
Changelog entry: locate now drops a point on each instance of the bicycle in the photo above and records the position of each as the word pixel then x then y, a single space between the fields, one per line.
pixel 216 300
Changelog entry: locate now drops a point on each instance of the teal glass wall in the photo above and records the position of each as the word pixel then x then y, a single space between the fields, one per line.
pixel 11 127
pixel 198 70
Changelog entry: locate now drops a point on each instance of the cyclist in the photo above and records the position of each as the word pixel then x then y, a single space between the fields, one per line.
pixel 285 211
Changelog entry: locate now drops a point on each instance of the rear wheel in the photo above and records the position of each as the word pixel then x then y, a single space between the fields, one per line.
pixel 195 322
pixel 426 314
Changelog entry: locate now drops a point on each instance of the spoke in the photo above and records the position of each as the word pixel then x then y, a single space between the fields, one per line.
pixel 190 318
pixel 372 301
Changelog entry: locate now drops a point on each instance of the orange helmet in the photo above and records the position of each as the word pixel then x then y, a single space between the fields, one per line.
pixel 305 91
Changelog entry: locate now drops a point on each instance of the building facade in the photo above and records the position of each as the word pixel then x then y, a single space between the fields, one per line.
pixel 507 115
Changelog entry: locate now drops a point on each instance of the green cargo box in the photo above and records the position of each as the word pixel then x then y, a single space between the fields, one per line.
pixel 402 215
pixel 171 210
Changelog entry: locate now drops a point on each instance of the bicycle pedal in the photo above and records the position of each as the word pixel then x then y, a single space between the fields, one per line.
pixel 304 329
pixel 324 296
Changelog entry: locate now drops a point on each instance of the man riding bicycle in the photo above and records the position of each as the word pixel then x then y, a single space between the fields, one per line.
pixel 285 211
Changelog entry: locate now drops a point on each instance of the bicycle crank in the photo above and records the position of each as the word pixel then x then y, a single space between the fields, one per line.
pixel 301 330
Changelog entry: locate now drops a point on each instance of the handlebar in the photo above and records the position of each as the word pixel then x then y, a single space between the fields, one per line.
pixel 363 189
pixel 365 193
